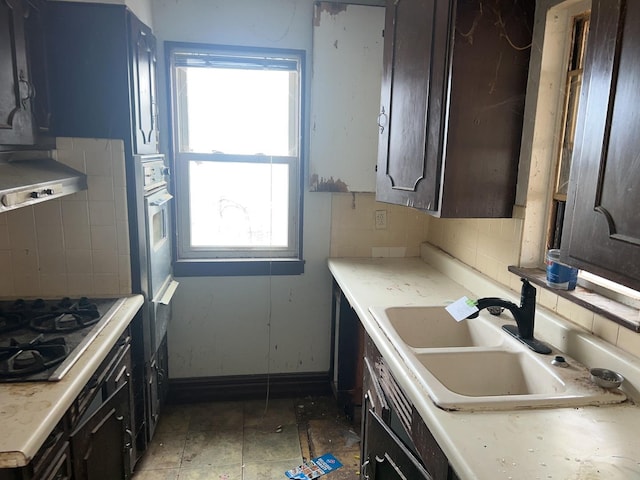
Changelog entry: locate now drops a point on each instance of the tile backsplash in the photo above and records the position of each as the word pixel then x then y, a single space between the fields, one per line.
pixel 357 232
pixel 75 245
pixel 489 245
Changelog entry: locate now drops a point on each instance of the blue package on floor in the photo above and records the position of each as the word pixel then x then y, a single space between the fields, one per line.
pixel 314 468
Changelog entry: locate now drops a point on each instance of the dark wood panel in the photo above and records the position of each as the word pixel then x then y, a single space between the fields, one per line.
pixel 35 28
pixel 89 71
pixel 387 457
pixel 143 85
pixel 489 69
pixel 15 87
pixel 452 105
pixel 98 445
pixel 412 93
pixel 234 387
pixel 602 227
pixel 617 312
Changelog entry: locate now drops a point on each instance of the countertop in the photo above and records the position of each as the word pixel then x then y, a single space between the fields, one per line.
pixel 29 411
pixel 562 443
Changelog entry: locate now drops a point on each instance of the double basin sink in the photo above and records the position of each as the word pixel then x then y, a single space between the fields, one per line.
pixel 475 365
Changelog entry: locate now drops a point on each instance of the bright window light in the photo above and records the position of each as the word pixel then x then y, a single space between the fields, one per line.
pixel 236 121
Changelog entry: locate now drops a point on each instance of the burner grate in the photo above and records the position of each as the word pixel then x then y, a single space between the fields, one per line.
pixel 20 359
pixel 66 318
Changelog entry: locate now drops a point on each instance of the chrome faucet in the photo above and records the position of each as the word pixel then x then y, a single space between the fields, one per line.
pixel 523 314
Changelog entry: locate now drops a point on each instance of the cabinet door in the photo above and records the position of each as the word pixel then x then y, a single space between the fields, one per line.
pixel 99 445
pixel 157 381
pixel 35 27
pixel 602 229
pixel 386 456
pixel 143 82
pixel 122 376
pixel 90 40
pixel 16 89
pixel 452 103
pixel 409 148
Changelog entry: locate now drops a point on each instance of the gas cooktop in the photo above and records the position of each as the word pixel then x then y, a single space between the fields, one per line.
pixel 40 340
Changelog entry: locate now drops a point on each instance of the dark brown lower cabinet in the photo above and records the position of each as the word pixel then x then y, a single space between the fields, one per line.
pixel 157 385
pixel 387 457
pixel 94 440
pixel 102 442
pixel 396 443
pixel 61 467
pixel 101 445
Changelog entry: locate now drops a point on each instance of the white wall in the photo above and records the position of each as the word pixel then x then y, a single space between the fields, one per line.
pixel 221 324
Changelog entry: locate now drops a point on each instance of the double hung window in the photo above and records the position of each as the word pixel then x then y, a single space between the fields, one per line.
pixel 236 121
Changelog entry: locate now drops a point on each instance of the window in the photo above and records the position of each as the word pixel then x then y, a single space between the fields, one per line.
pixel 236 117
pixel 568 128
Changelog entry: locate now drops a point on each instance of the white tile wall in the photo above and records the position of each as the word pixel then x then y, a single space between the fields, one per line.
pixel 76 245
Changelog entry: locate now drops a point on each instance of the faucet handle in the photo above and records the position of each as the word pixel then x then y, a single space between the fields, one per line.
pixel 528 290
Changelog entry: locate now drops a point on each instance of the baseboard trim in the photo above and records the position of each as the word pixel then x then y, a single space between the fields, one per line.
pixel 238 387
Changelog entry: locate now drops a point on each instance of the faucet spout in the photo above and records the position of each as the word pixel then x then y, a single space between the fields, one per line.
pixel 524 315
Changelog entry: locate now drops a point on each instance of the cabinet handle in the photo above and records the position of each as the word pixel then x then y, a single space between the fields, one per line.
pixel 363 469
pixel 382 120
pixel 129 444
pixel 393 465
pixel 31 91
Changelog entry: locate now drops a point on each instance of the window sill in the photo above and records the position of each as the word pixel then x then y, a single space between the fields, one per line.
pixel 623 315
pixel 238 267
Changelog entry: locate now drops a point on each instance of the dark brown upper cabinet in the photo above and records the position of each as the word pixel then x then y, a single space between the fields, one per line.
pixel 452 103
pixel 24 93
pixel 103 74
pixel 143 76
pixel 602 224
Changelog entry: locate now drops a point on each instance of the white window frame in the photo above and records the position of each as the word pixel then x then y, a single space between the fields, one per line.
pixel 196 261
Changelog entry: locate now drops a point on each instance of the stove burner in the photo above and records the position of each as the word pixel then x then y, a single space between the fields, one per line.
pixel 40 339
pixel 19 359
pixel 17 314
pixel 10 321
pixel 66 316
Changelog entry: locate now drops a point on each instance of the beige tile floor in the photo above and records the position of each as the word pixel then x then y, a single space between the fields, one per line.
pixel 248 440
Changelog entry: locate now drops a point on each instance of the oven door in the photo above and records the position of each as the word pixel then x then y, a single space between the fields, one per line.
pixel 161 283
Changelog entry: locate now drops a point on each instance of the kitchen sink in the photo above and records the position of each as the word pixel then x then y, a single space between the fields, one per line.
pixel 475 365
pixel 491 373
pixel 433 327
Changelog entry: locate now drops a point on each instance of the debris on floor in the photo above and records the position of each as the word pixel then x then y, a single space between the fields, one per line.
pixel 314 468
pixel 323 428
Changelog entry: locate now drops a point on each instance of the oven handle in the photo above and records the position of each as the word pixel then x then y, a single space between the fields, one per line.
pixel 160 199
pixel 167 294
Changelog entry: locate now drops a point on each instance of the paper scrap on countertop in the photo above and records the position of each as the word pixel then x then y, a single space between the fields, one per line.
pixel 461 308
pixel 314 468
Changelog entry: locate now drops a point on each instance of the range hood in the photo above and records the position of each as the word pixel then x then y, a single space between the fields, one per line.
pixel 32 177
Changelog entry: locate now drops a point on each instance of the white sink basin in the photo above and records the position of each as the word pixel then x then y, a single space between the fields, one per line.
pixel 475 365
pixel 491 373
pixel 433 327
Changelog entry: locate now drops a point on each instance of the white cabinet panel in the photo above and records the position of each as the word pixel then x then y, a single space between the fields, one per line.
pixel 345 96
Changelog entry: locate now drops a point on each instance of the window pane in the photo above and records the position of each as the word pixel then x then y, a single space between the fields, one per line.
pixel 239 205
pixel 238 111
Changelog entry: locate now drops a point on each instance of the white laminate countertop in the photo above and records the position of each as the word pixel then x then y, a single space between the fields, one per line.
pixel 546 443
pixel 29 411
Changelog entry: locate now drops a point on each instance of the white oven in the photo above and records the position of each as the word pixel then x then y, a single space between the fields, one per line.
pixel 158 225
